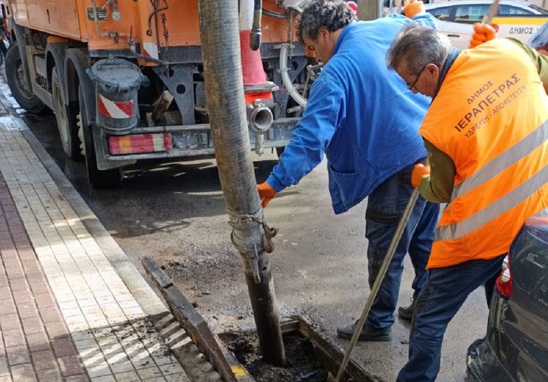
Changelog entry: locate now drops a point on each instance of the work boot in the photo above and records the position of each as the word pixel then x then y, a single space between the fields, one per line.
pixel 406 312
pixel 367 334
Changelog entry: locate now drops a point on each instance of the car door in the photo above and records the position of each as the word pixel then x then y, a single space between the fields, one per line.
pixel 519 23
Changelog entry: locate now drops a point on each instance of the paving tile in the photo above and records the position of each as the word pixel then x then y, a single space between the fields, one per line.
pixel 50 375
pixel 129 376
pixel 149 373
pixel 7 307
pixel 17 355
pixel 38 341
pixel 18 284
pixel 9 321
pixel 23 372
pixel 4 368
pixel 43 360
pixel 63 346
pixel 107 378
pixel 32 325
pixel 70 365
pixel 77 378
pixel 13 337
pixel 56 329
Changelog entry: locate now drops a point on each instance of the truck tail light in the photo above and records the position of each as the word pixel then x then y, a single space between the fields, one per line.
pixel 504 282
pixel 140 143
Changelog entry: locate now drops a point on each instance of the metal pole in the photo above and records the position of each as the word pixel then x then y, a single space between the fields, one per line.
pixel 227 116
pixel 377 284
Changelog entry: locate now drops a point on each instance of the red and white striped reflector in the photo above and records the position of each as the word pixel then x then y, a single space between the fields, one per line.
pixel 140 143
pixel 115 110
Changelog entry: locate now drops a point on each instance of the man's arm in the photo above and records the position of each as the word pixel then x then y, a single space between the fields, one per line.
pixel 438 186
pixel 484 33
pixel 311 135
pixel 540 61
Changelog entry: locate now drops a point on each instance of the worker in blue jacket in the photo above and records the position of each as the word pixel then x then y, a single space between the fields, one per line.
pixel 365 120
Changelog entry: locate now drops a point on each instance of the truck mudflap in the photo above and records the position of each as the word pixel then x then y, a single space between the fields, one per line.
pixel 178 142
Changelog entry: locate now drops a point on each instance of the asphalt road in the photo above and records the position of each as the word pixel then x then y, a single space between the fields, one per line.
pixel 175 213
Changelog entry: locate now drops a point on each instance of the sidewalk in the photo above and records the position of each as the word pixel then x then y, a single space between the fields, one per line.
pixel 73 307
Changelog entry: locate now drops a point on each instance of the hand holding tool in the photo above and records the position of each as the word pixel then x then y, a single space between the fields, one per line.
pixel 482 33
pixel 266 193
pixel 419 171
pixel 413 8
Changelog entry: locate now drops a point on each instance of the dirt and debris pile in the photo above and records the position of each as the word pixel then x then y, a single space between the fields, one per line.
pixel 301 364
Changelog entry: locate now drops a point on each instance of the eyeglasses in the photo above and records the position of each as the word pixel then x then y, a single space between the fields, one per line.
pixel 410 87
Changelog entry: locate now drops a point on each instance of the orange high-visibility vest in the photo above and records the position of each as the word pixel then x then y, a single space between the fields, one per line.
pixel 491 117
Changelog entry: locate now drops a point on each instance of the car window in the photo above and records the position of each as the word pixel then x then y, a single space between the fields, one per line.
pixel 469 14
pixel 441 14
pixel 540 10
pixel 509 10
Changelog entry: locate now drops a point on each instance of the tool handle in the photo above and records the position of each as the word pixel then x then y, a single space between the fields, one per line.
pixel 378 280
pixel 493 9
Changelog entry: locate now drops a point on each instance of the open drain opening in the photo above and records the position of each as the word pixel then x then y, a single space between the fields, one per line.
pixel 301 365
pixel 309 357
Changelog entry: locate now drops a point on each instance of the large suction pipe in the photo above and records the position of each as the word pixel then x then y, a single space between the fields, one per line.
pixel 227 115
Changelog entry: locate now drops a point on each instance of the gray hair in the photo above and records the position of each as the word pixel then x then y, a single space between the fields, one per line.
pixel 418 45
pixel 331 14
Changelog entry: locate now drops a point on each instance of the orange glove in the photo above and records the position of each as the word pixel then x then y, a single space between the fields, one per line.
pixel 266 193
pixel 413 8
pixel 419 171
pixel 482 33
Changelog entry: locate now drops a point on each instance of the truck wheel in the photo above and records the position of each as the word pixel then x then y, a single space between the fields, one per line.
pixel 20 90
pixel 66 121
pixel 101 179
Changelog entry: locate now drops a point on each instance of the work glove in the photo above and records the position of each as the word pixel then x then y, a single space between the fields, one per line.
pixel 266 193
pixel 482 33
pixel 413 8
pixel 419 172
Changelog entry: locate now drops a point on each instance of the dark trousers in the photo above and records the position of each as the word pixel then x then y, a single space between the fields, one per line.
pixel 444 293
pixel 385 207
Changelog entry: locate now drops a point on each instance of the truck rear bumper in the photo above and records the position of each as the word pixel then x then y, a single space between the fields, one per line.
pixel 178 142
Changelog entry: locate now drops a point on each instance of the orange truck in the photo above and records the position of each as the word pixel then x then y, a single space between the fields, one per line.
pixel 125 77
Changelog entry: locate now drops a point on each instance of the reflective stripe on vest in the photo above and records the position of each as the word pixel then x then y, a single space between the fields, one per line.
pixel 512 155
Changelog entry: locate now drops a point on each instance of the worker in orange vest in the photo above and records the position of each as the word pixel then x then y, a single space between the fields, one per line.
pixel 486 135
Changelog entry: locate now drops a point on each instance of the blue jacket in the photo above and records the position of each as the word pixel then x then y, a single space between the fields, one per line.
pixel 360 114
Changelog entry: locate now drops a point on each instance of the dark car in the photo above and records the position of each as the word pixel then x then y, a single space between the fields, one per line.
pixel 516 345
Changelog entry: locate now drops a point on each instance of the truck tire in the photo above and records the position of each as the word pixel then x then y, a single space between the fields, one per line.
pixel 21 91
pixel 67 121
pixel 100 179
